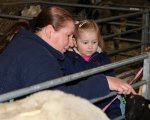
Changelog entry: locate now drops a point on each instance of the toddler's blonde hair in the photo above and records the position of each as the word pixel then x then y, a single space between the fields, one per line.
pixel 85 25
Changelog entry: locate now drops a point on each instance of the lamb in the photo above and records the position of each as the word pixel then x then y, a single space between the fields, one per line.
pixel 51 105
pixel 137 107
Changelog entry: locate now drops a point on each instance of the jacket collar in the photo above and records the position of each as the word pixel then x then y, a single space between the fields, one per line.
pixel 77 53
pixel 34 37
pixel 99 50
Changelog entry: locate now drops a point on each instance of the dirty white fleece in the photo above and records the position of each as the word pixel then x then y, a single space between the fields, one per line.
pixel 51 105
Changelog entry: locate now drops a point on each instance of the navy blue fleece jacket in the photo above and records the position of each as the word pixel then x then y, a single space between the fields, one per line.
pixel 74 63
pixel 29 60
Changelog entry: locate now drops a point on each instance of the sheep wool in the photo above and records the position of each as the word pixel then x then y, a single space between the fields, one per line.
pixel 51 105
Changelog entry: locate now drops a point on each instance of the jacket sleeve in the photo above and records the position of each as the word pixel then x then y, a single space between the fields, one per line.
pixel 92 87
pixel 40 68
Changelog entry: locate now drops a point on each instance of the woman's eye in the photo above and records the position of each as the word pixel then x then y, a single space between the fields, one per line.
pixel 70 36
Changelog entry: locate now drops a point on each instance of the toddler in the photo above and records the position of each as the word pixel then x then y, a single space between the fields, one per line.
pixel 88 54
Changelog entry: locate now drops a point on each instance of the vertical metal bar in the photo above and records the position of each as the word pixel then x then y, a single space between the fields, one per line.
pixel 148 29
pixel 145 29
pixel 147 24
pixel 146 76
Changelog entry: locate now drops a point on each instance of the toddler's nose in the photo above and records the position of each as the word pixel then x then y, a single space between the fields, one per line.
pixel 90 46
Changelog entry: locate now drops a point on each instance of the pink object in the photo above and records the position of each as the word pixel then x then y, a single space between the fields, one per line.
pixel 86 58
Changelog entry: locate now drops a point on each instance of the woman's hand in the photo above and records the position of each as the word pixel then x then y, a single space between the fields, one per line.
pixel 119 85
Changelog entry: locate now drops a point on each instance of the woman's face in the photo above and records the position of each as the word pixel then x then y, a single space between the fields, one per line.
pixel 63 37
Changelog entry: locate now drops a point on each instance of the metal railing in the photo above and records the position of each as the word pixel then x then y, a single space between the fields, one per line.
pixel 65 79
pixel 51 83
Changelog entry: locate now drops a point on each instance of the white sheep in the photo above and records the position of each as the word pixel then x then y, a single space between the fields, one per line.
pixel 51 105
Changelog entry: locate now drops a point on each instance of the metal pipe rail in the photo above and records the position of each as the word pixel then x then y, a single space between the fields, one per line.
pixel 72 5
pixel 126 39
pixel 15 17
pixel 127 24
pixel 21 2
pixel 126 74
pixel 65 79
pixel 122 33
pixel 127 6
pixel 125 49
pixel 120 16
pixel 134 22
pixel 126 54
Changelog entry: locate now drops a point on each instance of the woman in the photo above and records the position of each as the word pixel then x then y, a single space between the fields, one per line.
pixel 32 58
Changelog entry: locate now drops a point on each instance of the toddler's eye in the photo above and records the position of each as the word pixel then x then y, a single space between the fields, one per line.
pixel 94 42
pixel 85 42
pixel 73 36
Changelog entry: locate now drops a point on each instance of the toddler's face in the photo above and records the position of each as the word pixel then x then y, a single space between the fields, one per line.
pixel 87 43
